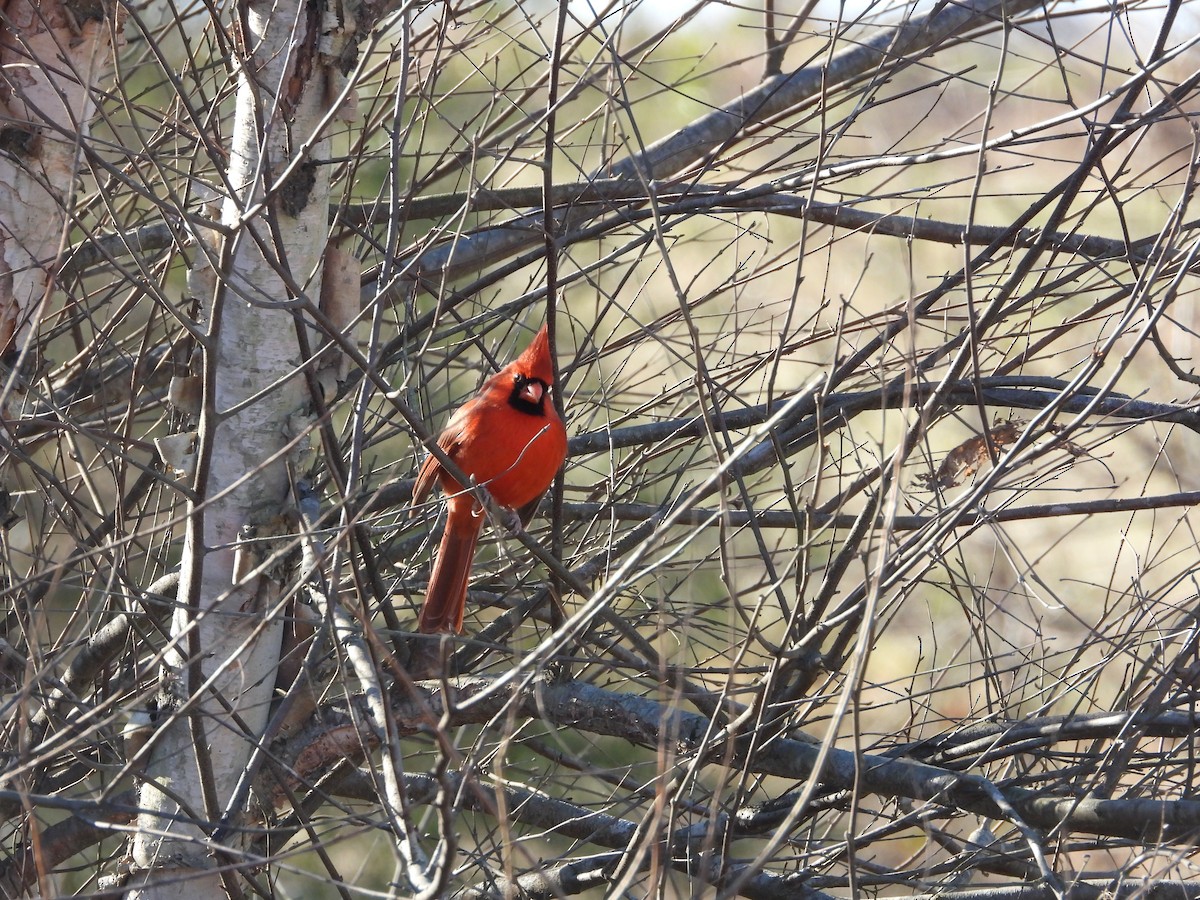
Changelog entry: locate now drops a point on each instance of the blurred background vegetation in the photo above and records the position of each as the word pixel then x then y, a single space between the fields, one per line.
pixel 835 381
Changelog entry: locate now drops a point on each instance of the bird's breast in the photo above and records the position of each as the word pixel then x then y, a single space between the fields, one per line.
pixel 512 454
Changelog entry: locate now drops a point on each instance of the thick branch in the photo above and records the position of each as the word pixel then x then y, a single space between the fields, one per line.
pixel 647 723
pixel 1009 392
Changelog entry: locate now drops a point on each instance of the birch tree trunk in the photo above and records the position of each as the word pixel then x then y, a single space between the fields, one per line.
pixel 51 54
pixel 219 675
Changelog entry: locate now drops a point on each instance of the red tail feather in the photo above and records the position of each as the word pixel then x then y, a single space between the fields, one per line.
pixel 446 597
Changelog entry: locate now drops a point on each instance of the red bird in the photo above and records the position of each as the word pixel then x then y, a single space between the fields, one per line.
pixel 510 440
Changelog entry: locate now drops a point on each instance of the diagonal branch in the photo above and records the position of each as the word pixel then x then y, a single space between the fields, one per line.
pixel 714 131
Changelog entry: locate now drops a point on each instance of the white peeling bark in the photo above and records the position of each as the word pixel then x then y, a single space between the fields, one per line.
pixel 219 681
pixel 52 53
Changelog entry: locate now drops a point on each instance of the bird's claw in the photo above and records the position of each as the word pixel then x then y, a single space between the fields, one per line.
pixel 510 521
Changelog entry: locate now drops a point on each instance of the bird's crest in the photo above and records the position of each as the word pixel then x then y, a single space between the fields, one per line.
pixel 536 361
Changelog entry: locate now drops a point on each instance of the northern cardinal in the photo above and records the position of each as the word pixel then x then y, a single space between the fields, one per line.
pixel 510 440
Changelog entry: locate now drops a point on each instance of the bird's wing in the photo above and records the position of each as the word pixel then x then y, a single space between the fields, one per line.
pixel 431 469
